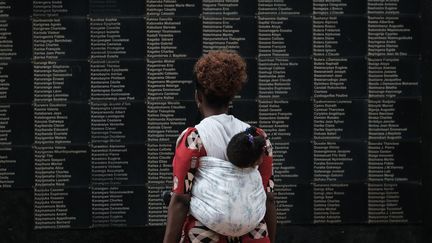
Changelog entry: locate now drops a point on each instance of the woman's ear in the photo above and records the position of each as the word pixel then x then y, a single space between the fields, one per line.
pixel 260 159
pixel 198 100
pixel 198 97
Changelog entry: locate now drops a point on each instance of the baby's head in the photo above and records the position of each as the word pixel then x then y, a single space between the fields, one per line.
pixel 246 149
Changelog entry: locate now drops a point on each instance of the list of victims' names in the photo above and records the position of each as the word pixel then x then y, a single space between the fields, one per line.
pixel 93 95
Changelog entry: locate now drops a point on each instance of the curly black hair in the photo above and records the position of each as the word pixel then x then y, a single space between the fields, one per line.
pixel 220 75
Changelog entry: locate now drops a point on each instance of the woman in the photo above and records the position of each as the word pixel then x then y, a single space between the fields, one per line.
pixel 219 77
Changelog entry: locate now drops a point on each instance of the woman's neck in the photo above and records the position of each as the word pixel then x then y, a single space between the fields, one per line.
pixel 206 112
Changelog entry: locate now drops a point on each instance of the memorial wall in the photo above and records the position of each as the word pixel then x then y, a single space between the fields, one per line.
pixel 94 93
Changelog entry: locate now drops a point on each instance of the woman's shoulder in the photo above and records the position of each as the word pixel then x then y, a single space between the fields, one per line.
pixel 261 132
pixel 185 132
pixel 191 139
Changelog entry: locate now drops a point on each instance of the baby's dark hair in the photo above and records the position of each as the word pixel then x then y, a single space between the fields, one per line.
pixel 245 148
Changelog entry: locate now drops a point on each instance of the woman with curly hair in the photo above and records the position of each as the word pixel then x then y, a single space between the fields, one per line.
pixel 229 201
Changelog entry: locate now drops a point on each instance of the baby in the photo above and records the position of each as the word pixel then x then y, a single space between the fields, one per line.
pixel 246 149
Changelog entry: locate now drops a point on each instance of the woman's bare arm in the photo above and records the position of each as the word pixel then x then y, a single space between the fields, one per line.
pixel 270 216
pixel 177 212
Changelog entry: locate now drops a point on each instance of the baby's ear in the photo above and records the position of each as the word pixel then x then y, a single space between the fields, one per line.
pixel 260 159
